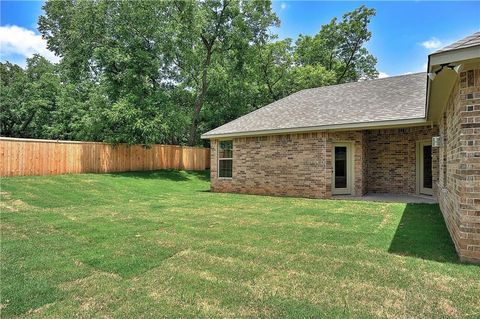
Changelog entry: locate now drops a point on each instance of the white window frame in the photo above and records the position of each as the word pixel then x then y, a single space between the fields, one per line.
pixel 223 158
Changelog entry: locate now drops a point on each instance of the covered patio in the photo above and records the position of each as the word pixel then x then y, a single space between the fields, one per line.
pixel 393 161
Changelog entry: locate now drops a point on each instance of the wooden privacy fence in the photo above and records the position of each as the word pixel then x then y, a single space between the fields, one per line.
pixel 21 157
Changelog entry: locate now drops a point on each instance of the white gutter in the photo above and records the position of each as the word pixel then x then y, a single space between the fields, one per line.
pixel 455 55
pixel 345 126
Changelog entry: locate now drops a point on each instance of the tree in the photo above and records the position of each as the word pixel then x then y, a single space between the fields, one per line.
pixel 28 97
pixel 208 35
pixel 164 72
pixel 146 54
pixel 339 47
pixel 279 75
pixel 117 50
pixel 275 62
pixel 12 82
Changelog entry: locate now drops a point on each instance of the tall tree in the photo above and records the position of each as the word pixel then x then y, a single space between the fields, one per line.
pixel 339 47
pixel 148 56
pixel 118 50
pixel 209 34
pixel 12 83
pixel 275 62
pixel 279 75
pixel 28 97
pixel 163 72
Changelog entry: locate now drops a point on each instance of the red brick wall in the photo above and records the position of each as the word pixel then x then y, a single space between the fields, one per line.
pixel 392 158
pixel 357 138
pixel 289 165
pixel 459 171
pixel 301 164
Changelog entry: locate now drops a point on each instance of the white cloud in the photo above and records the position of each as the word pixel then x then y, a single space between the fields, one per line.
pixel 432 43
pixel 283 6
pixel 382 75
pixel 16 41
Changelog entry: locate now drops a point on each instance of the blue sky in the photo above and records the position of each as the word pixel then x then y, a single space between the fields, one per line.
pixel 404 33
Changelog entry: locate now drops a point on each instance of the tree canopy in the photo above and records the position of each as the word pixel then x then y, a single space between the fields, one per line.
pixel 165 72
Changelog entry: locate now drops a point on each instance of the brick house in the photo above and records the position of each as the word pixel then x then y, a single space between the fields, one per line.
pixel 369 137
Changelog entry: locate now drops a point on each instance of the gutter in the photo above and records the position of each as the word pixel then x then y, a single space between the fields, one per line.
pixel 343 127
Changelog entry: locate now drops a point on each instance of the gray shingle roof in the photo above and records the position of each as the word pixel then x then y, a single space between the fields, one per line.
pixel 470 41
pixel 394 98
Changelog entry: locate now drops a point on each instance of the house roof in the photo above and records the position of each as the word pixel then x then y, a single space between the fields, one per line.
pixel 460 53
pixel 470 41
pixel 382 101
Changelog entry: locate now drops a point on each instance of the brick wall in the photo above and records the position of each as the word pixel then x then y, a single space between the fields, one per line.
pixel 392 158
pixel 289 165
pixel 459 170
pixel 301 164
pixel 357 138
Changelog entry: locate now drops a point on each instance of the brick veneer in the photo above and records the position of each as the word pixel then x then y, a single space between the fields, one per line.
pixel 357 138
pixel 301 164
pixel 392 158
pixel 459 170
pixel 292 165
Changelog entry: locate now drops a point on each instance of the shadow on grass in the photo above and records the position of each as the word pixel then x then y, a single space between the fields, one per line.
pixel 201 175
pixel 172 175
pixel 422 233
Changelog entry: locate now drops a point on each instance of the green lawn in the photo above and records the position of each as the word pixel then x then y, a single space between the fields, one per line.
pixel 159 244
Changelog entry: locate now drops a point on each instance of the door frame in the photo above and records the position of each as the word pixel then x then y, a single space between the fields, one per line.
pixel 419 171
pixel 350 169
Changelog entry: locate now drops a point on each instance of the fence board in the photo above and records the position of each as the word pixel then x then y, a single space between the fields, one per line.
pixel 21 157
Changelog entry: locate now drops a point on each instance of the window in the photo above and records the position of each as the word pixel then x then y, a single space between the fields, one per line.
pixel 225 159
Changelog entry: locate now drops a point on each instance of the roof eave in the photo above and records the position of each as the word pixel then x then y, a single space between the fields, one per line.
pixel 454 55
pixel 445 57
pixel 344 127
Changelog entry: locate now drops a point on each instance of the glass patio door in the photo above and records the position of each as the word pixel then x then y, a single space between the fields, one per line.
pixel 425 166
pixel 341 169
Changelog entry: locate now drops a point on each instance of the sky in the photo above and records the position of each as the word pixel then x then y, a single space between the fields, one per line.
pixel 403 33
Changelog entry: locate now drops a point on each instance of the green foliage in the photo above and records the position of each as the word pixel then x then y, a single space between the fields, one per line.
pixel 339 47
pixel 29 98
pixel 165 72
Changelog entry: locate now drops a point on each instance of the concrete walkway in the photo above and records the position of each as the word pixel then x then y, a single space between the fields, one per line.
pixel 391 198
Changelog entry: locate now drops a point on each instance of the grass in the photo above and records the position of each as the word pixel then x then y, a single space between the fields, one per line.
pixel 159 244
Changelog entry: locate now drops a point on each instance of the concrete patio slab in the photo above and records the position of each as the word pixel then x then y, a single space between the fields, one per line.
pixel 391 198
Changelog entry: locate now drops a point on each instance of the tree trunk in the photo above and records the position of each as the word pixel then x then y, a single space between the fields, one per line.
pixel 208 43
pixel 355 48
pixel 196 112
pixel 27 122
pixel 199 99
